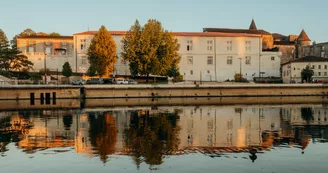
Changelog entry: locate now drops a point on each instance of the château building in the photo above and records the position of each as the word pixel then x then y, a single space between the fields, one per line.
pixel 212 55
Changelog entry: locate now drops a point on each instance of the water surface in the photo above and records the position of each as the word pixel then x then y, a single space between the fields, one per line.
pixel 231 138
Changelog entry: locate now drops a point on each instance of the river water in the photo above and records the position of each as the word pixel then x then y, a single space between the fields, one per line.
pixel 199 138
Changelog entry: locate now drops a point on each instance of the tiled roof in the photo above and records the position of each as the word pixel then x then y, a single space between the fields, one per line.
pixel 242 31
pixel 284 43
pixel 190 34
pixel 46 36
pixel 214 34
pixel 303 36
pixel 277 35
pixel 311 59
pixel 95 32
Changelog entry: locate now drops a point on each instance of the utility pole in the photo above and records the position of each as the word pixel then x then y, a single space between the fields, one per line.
pixel 45 67
pixel 239 69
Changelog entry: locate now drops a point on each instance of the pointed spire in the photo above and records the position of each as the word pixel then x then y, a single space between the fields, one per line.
pixel 303 36
pixel 253 25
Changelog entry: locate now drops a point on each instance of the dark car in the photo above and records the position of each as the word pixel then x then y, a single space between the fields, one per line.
pixel 108 81
pixel 95 81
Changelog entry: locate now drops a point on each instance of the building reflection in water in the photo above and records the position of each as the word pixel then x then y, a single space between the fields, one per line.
pixel 150 134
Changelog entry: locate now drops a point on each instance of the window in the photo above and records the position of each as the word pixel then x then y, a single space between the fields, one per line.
pixel 229 60
pixel 209 60
pixel 83 43
pixel 248 46
pixel 319 66
pixel 208 72
pixel 284 73
pixel 248 60
pixel 84 61
pixel 319 73
pixel 31 46
pixel 48 50
pixel 313 66
pixel 209 45
pixel 189 45
pixel 325 73
pixel 229 45
pixel 325 66
pixel 189 60
pixel 272 58
pixel 191 72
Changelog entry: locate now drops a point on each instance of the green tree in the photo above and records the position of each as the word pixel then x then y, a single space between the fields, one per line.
pixel 307 74
pixel 54 34
pixel 150 49
pixel 152 136
pixel 67 70
pixel 26 32
pixel 131 48
pixel 11 58
pixel 102 52
pixel 92 71
pixel 42 34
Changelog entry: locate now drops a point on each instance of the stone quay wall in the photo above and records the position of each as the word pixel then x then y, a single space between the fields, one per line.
pixel 171 91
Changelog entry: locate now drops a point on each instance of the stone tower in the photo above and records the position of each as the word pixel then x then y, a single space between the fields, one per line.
pixel 303 39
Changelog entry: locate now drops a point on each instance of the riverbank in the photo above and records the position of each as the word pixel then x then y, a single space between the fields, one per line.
pixel 47 92
pixel 15 105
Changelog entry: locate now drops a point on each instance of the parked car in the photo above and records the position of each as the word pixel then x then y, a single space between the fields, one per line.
pixel 122 81
pixel 78 82
pixel 95 81
pixel 108 81
pixel 132 81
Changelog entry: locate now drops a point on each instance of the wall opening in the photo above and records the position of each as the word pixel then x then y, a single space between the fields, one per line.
pixel 47 98
pixel 54 98
pixel 41 98
pixel 32 99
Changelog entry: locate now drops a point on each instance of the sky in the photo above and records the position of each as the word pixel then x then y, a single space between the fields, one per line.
pixel 72 16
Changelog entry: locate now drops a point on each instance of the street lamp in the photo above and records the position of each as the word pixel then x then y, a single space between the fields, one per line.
pixel 45 68
pixel 239 69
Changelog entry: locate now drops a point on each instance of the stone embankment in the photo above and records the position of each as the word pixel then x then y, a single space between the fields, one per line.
pixel 30 92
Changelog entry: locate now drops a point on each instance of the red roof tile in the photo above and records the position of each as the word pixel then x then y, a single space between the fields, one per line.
pixel 95 32
pixel 189 34
pixel 241 31
pixel 303 36
pixel 46 36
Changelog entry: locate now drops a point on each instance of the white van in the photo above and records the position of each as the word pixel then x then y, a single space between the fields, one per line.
pixel 122 81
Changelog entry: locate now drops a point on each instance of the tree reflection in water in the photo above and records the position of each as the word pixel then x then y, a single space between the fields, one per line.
pixel 103 134
pixel 152 136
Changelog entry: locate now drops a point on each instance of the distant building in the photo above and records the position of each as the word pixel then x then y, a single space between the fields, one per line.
pixel 291 71
pixel 205 56
pixel 55 50
pixel 316 49
pixel 291 46
pixel 267 38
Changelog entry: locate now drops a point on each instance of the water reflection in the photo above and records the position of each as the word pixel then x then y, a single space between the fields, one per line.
pixel 148 135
